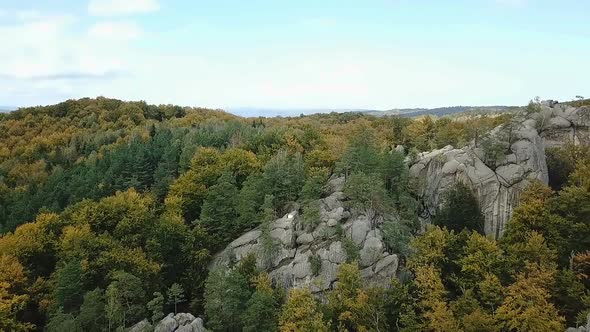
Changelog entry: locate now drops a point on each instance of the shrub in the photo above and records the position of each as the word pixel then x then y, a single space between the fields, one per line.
pixel 315 261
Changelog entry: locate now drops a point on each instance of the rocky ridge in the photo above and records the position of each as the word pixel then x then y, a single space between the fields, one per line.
pixel 297 247
pixel 498 183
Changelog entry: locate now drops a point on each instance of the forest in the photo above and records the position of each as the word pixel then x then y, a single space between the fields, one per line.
pixel 111 212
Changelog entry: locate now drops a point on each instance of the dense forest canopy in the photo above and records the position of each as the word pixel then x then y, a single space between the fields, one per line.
pixel 111 211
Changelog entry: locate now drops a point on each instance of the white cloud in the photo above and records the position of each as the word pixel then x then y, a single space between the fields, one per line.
pixel 116 31
pixel 54 58
pixel 121 7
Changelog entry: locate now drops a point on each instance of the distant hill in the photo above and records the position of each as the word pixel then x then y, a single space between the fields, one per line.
pixel 289 112
pixel 405 112
pixel 439 111
pixel 5 109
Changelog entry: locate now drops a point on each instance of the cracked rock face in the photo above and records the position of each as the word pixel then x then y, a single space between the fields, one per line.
pixel 181 322
pixel 560 123
pixel 498 188
pixel 291 266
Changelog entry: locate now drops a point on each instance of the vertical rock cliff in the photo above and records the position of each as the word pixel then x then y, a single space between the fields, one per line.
pixel 498 181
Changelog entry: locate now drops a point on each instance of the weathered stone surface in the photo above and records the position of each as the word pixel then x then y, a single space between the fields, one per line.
pixel 565 124
pixel 168 324
pixel 245 239
pixel 323 231
pixel 333 201
pixel 558 122
pixel 335 253
pixel 388 262
pixel 184 318
pixel 305 238
pixel 285 236
pixel 143 326
pixel 510 174
pixel 336 184
pixel 198 326
pixel 181 322
pixel 496 189
pixel 359 229
pixel 371 251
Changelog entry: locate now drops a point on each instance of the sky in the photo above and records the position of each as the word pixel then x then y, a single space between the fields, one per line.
pixel 299 54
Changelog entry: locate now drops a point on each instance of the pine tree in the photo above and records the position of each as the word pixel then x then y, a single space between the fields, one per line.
pixel 268 246
pixel 460 211
pixel 367 195
pixel 69 288
pixel 125 299
pixel 261 309
pixel 219 214
pixel 226 295
pixel 156 307
pixel 175 295
pixel 361 155
pixel 283 177
pixel 92 312
pixel 249 201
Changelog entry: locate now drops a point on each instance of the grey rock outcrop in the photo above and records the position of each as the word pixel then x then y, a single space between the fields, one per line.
pixel 143 326
pixel 181 322
pixel 562 123
pixel 499 183
pixel 167 324
pixel 295 246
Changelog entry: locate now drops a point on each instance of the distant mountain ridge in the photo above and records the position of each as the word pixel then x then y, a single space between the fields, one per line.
pixel 405 112
pixel 289 112
pixel 439 111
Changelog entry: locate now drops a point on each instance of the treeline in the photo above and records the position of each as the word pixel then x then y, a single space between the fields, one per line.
pixel 54 156
pixel 119 250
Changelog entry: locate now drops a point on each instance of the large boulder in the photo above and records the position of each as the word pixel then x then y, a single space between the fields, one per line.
pixel 181 322
pixel 167 324
pixel 143 326
pixel 184 319
pixel 559 124
pixel 197 325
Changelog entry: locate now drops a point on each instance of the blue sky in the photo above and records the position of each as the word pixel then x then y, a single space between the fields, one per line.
pixel 376 54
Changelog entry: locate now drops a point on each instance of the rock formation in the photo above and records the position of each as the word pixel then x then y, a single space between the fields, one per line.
pixel 311 257
pixel 181 322
pixel 561 123
pixel 291 265
pixel 498 183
